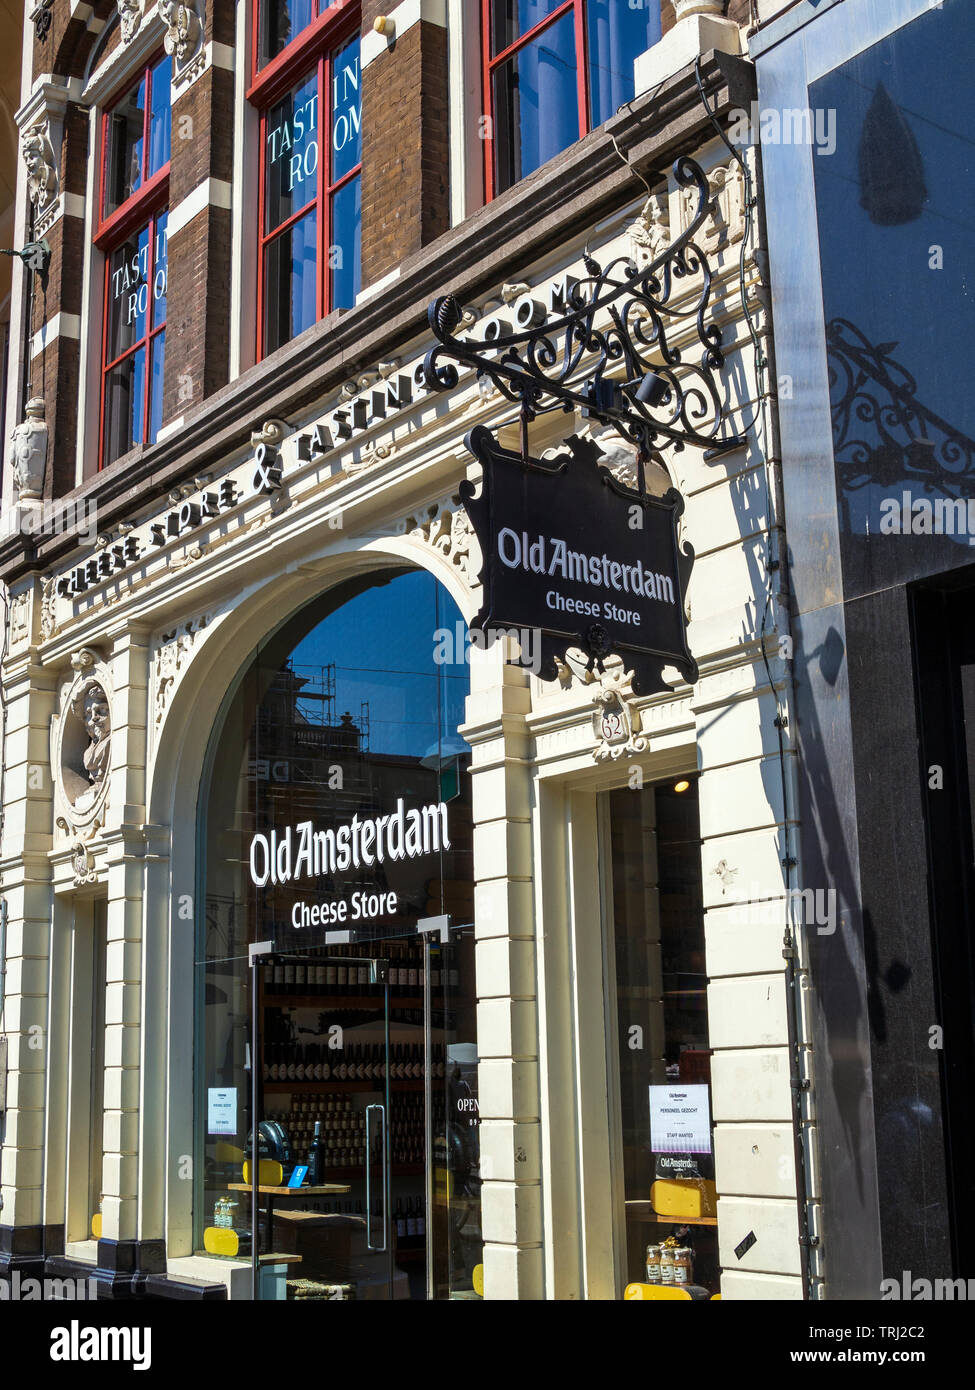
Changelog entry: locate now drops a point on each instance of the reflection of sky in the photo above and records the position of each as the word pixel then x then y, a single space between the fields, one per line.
pixel 382 644
pixel 878 277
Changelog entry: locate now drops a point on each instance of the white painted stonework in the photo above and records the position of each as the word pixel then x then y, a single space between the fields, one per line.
pixel 172 627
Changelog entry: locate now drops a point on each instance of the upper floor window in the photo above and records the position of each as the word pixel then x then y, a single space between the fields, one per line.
pixel 135 149
pixel 309 93
pixel 553 70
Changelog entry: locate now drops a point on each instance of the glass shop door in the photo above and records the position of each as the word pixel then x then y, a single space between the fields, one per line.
pixel 369 1167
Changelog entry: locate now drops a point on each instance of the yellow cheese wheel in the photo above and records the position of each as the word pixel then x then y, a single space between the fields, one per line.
pixel 221 1240
pixel 269 1173
pixel 683 1197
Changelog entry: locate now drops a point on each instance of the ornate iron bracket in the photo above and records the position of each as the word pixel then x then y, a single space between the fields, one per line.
pixel 618 317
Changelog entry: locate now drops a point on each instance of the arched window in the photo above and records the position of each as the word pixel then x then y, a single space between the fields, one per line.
pixel 335 816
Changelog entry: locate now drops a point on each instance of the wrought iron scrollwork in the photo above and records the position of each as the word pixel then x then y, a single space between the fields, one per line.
pixel 882 433
pixel 621 316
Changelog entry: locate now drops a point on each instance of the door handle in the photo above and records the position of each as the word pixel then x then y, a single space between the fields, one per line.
pixel 377 1249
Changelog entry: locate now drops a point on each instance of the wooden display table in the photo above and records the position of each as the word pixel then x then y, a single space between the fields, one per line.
pixel 325 1189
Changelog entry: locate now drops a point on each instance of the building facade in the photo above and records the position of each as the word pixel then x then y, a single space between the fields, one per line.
pixel 870 213
pixel 552 909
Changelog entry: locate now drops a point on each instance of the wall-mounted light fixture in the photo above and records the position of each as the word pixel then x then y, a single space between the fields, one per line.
pixel 384 24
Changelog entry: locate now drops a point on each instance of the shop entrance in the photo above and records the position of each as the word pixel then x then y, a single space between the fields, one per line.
pixel 338 1119
pixel 367 1093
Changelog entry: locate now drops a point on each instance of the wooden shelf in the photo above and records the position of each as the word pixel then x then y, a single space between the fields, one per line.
pixel 276 1088
pixel 325 1189
pixel 643 1211
pixel 343 1001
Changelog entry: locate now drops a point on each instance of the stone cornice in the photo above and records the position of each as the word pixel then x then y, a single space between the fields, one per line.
pixel 571 192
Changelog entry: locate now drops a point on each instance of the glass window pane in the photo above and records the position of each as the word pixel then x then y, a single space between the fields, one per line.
pixel 617 33
pixel 512 18
pixel 124 148
pixel 290 298
pixel 657 957
pixel 291 153
pixel 128 294
pixel 160 270
pixel 160 125
pixel 346 111
pixel 125 398
pixel 344 258
pixel 536 110
pixel 280 22
pixel 158 357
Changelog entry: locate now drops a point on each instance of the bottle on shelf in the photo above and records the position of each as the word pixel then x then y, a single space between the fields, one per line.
pixel 316 1157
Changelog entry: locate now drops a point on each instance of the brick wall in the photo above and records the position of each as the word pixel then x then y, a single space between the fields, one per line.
pixel 405 141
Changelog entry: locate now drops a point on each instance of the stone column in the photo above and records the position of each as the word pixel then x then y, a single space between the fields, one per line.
pixel 507 1015
pixel 28 696
pixel 120 1250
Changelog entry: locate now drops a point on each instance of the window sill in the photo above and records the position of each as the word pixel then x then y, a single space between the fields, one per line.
pixel 84 1251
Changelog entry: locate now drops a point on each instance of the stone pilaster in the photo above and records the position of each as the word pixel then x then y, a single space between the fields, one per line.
pixel 507 1014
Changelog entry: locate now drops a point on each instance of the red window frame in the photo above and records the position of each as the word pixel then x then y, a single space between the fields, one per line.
pixel 491 65
pixel 141 208
pixel 309 51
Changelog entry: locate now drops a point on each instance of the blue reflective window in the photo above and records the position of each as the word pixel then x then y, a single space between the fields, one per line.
pixel 536 107
pixel 290 282
pixel 345 261
pixel 617 33
pixel 557 70
pixel 310 251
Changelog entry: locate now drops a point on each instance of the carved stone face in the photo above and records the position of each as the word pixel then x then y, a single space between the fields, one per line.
pixel 96 714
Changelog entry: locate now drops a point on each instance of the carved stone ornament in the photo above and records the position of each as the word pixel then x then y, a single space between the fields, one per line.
pixel 42 175
pixel 49 621
pixel 171 656
pixel 83 864
pixel 272 434
pixel 651 230
pixel 447 529
pixel 616 722
pixel 183 29
pixel 82 740
pixel 28 454
pixel 130 17
pixel 726 225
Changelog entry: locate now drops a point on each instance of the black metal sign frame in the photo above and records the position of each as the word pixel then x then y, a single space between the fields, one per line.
pixel 537 520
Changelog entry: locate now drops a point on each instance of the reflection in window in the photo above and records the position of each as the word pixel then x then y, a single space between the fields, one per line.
pixel 557 70
pixel 311 220
pixel 658 965
pixel 135 333
pixel 136 140
pixel 896 209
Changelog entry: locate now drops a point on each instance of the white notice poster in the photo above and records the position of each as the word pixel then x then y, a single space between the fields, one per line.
pixel 680 1120
pixel 222 1110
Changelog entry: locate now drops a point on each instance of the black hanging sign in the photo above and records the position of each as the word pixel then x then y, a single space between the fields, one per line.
pixel 576 556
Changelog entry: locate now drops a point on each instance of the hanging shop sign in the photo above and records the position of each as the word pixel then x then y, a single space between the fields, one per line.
pixel 592 565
